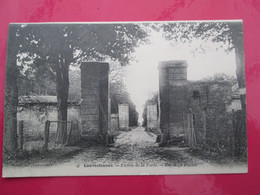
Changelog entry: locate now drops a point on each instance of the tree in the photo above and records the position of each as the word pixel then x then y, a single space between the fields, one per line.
pixel 75 85
pixel 119 95
pixel 41 82
pixel 229 34
pixel 11 96
pixel 222 77
pixel 57 46
pixel 116 72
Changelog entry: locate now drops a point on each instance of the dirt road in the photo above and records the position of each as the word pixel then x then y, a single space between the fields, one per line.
pixel 136 146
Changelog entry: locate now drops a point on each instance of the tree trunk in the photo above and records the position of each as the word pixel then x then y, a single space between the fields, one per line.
pixel 62 87
pixel 11 96
pixel 240 72
pixel 237 38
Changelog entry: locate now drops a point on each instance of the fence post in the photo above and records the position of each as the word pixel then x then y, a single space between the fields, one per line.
pixel 185 129
pixel 188 129
pixel 193 130
pixel 204 120
pixel 233 134
pixel 77 130
pixel 20 135
pixel 46 135
pixel 70 130
pixel 191 133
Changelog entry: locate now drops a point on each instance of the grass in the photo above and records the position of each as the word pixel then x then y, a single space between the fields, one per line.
pixel 38 157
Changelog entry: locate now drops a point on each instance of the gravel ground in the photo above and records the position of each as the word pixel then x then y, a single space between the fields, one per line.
pixel 132 150
pixel 136 146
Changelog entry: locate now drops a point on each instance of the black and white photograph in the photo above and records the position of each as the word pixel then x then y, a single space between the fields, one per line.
pixel 125 98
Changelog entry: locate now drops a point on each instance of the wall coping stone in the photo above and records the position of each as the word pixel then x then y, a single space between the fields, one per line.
pixel 173 64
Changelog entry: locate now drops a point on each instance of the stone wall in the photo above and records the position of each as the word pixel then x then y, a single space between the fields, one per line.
pixel 94 112
pixel 123 115
pixel 34 116
pixel 205 100
pixel 208 101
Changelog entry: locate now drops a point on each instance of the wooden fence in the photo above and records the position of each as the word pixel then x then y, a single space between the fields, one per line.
pixel 223 133
pixel 28 141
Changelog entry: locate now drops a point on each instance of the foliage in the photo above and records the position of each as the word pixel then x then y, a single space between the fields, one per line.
pixel 119 95
pixel 228 34
pixel 222 77
pixel 189 32
pixel 42 48
pixel 75 85
pixel 52 48
pixel 41 82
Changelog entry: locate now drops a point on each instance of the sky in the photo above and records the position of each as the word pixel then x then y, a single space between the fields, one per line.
pixel 142 75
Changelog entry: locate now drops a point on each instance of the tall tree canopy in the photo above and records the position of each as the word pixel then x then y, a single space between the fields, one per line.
pixel 119 95
pixel 52 48
pixel 228 33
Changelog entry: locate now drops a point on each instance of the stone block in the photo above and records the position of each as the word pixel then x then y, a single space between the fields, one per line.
pixel 172 95
pixel 123 115
pixel 152 116
pixel 94 98
pixel 114 122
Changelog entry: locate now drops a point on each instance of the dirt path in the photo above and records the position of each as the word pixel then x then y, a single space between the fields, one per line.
pixel 135 146
pixel 138 137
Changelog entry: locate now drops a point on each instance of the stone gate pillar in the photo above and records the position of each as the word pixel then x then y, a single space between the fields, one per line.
pixel 172 98
pixel 94 109
pixel 123 116
pixel 152 118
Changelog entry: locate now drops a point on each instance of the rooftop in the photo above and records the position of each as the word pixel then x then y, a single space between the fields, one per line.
pixel 40 99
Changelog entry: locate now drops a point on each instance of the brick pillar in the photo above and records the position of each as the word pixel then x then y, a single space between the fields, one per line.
pixel 172 98
pixel 123 115
pixel 94 110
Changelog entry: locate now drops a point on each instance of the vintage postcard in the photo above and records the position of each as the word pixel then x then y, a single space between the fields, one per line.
pixel 132 98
